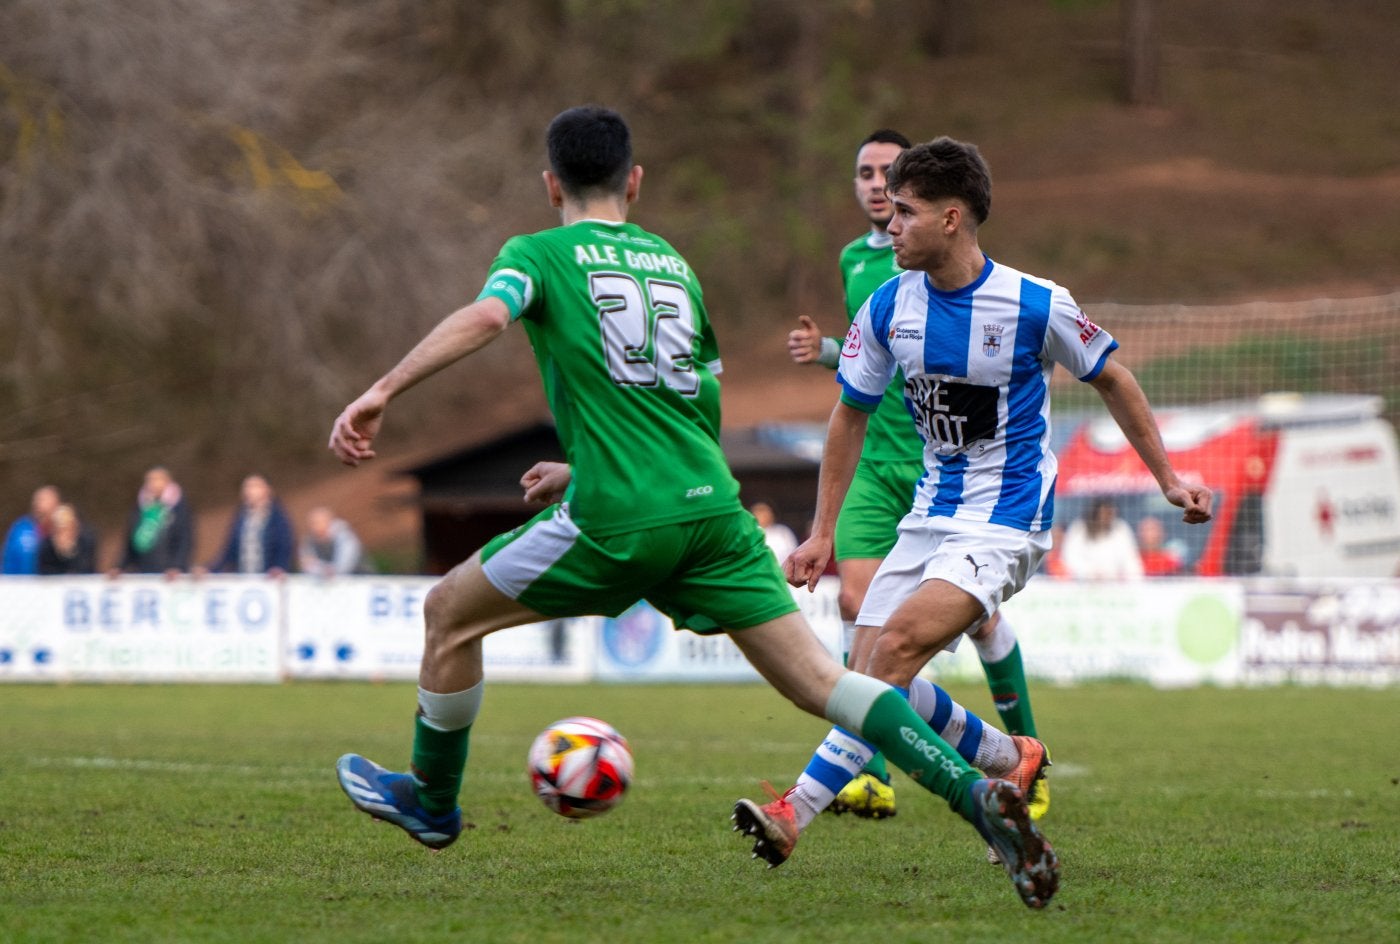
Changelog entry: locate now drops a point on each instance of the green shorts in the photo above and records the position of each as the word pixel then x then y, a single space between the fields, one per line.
pixel 707 576
pixel 881 494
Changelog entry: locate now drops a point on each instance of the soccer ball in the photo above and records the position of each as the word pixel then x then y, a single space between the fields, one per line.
pixel 580 767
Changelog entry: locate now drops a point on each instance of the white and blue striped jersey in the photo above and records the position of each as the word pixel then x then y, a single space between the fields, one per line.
pixel 977 364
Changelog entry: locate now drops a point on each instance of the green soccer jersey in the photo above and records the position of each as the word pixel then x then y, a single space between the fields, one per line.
pixel 629 364
pixel 866 264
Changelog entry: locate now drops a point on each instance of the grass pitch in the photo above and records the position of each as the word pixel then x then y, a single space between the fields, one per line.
pixel 185 813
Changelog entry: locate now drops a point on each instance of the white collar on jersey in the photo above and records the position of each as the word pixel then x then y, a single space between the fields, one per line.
pixel 879 240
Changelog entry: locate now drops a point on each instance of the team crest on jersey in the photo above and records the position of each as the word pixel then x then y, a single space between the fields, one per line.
pixel 852 346
pixel 991 339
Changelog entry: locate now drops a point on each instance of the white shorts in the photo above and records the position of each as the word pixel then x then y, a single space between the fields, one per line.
pixel 990 561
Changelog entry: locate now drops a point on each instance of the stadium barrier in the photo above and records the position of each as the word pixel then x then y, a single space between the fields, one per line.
pixel 254 629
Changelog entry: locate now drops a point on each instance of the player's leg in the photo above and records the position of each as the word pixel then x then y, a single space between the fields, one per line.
pixel 547 565
pixel 1000 654
pixel 834 771
pixel 836 768
pixel 1019 758
pixel 866 531
pixel 459 612
pixel 792 659
pixel 736 585
pixel 870 795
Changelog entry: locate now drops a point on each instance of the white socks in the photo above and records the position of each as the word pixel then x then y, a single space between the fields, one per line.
pixel 452 711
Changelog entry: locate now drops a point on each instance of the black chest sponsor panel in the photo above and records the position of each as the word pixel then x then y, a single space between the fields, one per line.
pixel 952 414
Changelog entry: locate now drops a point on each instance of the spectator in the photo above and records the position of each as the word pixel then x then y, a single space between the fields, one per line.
pixel 779 536
pixel 27 533
pixel 330 547
pixel 1158 559
pixel 70 547
pixel 260 539
pixel 160 531
pixel 1101 546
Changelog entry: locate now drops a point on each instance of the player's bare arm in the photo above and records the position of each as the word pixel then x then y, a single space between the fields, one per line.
pixel 546 482
pixel 845 435
pixel 1128 406
pixel 463 332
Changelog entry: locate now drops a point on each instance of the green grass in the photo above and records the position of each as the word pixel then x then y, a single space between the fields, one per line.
pixel 173 813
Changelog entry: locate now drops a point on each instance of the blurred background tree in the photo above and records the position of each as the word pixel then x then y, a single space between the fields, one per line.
pixel 219 220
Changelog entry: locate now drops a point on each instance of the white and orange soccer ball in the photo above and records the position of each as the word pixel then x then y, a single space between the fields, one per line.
pixel 580 767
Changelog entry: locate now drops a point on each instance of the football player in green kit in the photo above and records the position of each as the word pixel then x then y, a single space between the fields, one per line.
pixel 890 464
pixel 647 508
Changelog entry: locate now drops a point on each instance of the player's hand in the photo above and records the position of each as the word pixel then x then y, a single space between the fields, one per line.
pixel 546 482
pixel 805 565
pixel 1195 500
pixel 804 343
pixel 352 436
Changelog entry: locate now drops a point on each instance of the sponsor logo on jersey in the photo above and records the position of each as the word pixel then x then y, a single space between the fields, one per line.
pixel 950 415
pixel 906 334
pixel 1087 329
pixel 852 346
pixel 991 339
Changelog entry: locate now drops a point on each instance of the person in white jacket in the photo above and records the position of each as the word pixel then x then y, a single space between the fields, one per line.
pixel 1101 546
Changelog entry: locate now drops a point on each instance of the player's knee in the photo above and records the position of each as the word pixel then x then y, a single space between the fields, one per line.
pixel 443 615
pixel 898 654
pixel 849 600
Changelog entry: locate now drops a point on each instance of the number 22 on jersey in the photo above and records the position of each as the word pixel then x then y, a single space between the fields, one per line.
pixel 648 331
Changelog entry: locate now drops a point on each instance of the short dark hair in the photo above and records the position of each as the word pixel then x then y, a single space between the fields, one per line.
pixel 944 168
pixel 590 149
pixel 885 136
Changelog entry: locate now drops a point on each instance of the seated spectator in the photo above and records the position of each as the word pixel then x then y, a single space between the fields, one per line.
pixel 1101 546
pixel 160 531
pixel 330 547
pixel 1158 559
pixel 71 546
pixel 260 539
pixel 781 540
pixel 27 534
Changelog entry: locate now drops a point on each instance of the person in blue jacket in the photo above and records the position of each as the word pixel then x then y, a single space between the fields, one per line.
pixel 260 540
pixel 25 536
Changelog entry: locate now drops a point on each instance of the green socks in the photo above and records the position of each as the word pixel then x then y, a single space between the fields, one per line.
pixel 439 763
pixel 883 717
pixel 877 768
pixel 1007 681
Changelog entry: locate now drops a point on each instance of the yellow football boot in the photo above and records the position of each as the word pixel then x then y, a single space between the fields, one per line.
pixel 866 796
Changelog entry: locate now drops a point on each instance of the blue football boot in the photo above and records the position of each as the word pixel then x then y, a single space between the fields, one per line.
pixel 393 798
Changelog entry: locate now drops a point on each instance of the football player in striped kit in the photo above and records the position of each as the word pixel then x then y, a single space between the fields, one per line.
pixel 976 342
pixel 891 464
